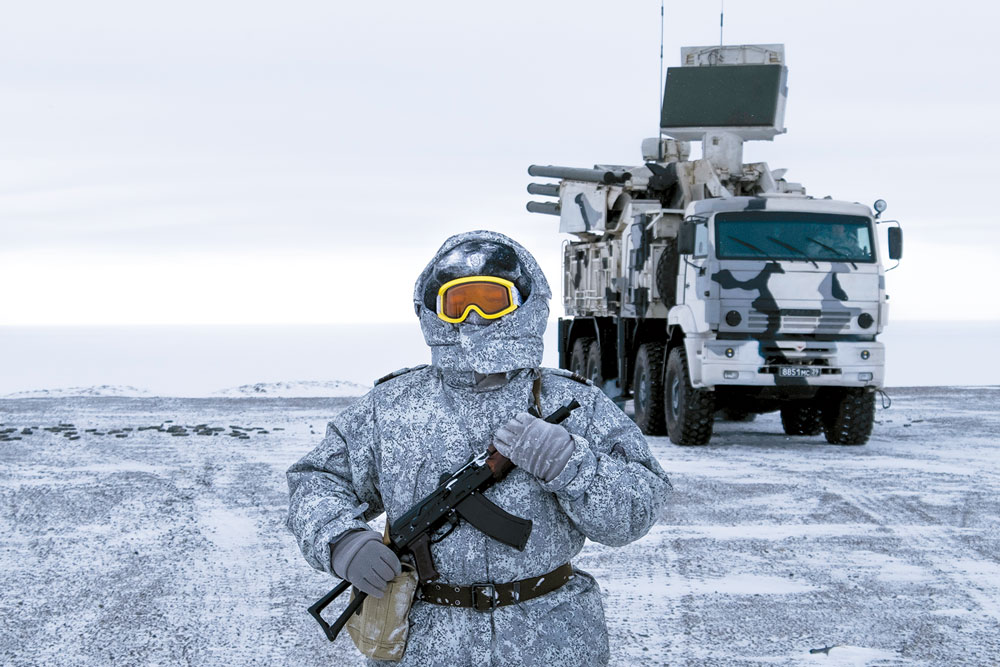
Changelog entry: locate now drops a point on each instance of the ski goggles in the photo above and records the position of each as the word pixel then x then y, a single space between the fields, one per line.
pixel 489 296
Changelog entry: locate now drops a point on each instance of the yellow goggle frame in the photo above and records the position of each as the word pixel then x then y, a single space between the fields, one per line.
pixel 513 299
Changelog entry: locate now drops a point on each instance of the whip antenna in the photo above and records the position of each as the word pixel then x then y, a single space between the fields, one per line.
pixel 722 14
pixel 659 111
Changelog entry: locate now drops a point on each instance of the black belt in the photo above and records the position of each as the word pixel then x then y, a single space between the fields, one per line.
pixel 484 597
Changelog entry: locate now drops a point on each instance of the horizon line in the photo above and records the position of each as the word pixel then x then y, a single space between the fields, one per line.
pixel 365 323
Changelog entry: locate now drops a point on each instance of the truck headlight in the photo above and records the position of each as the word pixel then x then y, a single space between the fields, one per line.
pixel 865 320
pixel 730 352
pixel 733 318
pixel 865 354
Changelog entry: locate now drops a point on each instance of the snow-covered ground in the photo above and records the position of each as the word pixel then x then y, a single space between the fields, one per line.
pixel 150 531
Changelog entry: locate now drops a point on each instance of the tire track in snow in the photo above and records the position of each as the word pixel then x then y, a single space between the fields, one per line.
pixel 938 544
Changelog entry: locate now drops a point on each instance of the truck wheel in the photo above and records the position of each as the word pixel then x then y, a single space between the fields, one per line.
pixel 647 388
pixel 848 417
pixel 578 356
pixel 689 411
pixel 593 368
pixel 801 419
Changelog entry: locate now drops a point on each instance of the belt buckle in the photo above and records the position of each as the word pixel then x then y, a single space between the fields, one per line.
pixel 478 593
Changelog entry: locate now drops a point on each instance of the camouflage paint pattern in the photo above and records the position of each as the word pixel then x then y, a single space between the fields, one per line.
pixel 391 447
pixel 793 301
pixel 778 300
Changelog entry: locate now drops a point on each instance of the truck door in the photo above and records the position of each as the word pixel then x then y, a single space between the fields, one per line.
pixel 691 273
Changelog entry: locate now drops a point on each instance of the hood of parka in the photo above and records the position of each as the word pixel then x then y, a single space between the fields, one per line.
pixel 505 344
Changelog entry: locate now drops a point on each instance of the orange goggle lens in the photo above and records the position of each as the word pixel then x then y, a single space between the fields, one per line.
pixel 489 296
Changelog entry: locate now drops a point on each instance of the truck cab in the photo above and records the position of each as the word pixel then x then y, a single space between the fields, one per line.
pixel 782 291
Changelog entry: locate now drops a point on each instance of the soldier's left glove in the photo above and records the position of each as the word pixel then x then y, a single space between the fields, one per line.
pixel 534 444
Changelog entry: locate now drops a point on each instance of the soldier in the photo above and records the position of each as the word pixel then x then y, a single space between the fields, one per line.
pixel 836 238
pixel 483 306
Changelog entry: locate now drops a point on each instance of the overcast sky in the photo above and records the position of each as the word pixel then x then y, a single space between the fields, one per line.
pixel 249 162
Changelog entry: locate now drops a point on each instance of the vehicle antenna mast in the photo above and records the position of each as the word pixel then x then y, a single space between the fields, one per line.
pixel 722 14
pixel 660 84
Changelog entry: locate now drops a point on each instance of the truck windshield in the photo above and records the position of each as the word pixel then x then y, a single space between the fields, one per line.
pixel 793 236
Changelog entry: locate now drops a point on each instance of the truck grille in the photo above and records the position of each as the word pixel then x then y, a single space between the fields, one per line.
pixel 802 321
pixel 809 355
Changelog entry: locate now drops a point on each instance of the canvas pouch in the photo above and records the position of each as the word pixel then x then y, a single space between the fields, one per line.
pixel 381 628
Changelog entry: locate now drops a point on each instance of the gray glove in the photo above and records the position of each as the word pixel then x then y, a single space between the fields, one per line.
pixel 361 558
pixel 534 444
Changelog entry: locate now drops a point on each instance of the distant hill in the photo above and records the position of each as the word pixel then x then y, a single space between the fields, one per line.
pixel 292 389
pixel 297 389
pixel 97 390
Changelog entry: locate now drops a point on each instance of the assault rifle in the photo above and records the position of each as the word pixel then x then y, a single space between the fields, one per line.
pixel 460 495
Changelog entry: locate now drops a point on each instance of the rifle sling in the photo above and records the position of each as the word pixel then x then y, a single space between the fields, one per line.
pixel 536 394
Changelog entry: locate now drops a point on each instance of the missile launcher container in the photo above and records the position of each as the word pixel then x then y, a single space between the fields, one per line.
pixel 713 288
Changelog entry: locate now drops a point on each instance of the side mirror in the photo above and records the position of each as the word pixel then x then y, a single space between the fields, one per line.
pixel 895 243
pixel 685 239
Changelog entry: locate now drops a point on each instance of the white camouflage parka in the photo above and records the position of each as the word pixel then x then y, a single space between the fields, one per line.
pixel 390 448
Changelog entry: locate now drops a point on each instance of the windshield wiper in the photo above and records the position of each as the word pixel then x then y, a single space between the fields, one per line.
pixel 833 250
pixel 752 247
pixel 793 249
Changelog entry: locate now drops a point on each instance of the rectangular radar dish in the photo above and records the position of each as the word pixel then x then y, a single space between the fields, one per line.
pixel 740 90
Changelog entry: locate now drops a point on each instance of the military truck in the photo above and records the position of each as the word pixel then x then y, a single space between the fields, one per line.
pixel 710 287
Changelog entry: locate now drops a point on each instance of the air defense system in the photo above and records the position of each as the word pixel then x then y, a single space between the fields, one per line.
pixel 710 287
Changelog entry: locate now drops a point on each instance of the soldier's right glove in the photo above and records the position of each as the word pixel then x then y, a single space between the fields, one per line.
pixel 362 559
pixel 541 448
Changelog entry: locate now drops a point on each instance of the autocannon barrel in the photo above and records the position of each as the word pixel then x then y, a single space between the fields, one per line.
pixel 549 190
pixel 549 208
pixel 577 174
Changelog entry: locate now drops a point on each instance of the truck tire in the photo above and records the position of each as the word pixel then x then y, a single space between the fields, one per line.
pixel 647 389
pixel 801 419
pixel 848 417
pixel 578 356
pixel 689 411
pixel 592 371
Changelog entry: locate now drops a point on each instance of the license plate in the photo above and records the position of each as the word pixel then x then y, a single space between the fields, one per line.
pixel 798 372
